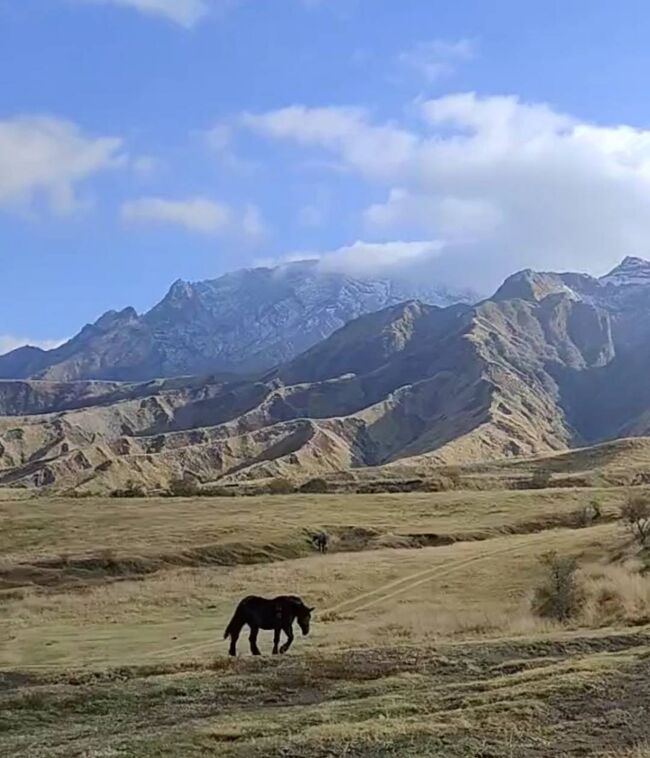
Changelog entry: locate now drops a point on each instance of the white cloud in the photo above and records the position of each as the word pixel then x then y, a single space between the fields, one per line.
pixel 44 159
pixel 365 258
pixel 503 183
pixel 379 151
pixel 9 343
pixel 186 13
pixel 437 58
pixel 456 219
pixel 196 214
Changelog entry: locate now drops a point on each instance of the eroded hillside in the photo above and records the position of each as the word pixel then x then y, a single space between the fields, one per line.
pixel 551 362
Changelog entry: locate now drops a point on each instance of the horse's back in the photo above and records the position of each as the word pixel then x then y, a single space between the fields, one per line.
pixel 251 601
pixel 289 600
pixel 264 605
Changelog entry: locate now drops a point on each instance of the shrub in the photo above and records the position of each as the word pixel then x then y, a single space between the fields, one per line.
pixel 453 475
pixel 616 595
pixel 560 596
pixel 185 486
pixel 540 479
pixel 315 486
pixel 131 489
pixel 280 486
pixel 588 514
pixel 636 515
pixel 218 490
pixel 439 484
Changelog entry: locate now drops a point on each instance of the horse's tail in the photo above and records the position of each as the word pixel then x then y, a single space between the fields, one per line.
pixel 231 627
pixel 235 624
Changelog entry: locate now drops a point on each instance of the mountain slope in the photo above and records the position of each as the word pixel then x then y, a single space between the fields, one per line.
pixel 246 321
pixel 551 362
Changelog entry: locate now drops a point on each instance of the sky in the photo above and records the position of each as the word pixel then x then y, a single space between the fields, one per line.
pixel 142 141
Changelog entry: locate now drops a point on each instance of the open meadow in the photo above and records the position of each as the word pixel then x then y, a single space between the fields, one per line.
pixel 423 641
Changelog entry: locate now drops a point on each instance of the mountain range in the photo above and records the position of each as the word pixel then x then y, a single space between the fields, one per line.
pixel 245 321
pixel 550 362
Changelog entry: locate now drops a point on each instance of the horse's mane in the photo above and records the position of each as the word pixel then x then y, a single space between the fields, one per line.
pixel 295 600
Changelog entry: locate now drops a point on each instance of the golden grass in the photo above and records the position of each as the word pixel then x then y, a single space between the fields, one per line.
pixel 43 526
pixel 414 652
pixel 470 589
pixel 459 700
pixel 616 594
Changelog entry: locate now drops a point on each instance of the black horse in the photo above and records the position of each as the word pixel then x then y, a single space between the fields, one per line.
pixel 277 614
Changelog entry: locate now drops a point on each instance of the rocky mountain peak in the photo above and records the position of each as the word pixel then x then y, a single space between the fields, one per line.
pixel 632 271
pixel 532 285
pixel 111 319
pixel 244 321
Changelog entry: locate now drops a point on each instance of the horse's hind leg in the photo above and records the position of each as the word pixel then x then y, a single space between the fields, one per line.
pixel 288 630
pixel 252 638
pixel 234 636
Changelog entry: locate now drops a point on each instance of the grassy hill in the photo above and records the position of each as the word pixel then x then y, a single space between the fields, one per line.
pixel 423 641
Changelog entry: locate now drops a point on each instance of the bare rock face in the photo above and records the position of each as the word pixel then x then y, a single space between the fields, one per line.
pixel 552 361
pixel 246 321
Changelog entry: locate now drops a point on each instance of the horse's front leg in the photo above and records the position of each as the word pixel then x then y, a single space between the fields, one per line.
pixel 252 638
pixel 288 630
pixel 276 639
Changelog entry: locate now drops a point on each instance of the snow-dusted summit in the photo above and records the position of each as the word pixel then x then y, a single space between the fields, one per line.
pixel 632 272
pixel 244 321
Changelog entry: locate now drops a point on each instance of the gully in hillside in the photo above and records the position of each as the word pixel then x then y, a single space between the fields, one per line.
pixel 277 614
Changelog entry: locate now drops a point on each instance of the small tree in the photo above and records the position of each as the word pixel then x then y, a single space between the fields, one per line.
pixel 636 515
pixel 560 596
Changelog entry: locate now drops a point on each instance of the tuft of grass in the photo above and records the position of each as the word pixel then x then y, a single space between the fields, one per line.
pixel 616 595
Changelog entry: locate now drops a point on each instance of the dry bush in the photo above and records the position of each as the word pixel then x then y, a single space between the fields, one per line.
pixel 540 479
pixel 616 594
pixel 315 486
pixel 453 474
pixel 185 486
pixel 218 490
pixel 636 515
pixel 439 484
pixel 560 596
pixel 588 515
pixel 279 486
pixel 131 489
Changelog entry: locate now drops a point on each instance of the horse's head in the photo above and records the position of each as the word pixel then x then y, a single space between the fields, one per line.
pixel 303 618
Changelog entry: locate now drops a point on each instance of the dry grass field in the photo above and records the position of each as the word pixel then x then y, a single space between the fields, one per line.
pixel 423 643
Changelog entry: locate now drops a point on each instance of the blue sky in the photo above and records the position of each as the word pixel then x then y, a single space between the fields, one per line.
pixel 143 141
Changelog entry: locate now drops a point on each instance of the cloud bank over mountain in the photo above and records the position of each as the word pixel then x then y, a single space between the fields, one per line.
pixel 502 184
